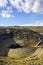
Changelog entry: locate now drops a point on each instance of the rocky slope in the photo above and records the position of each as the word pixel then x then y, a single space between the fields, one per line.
pixel 18 38
pixel 21 46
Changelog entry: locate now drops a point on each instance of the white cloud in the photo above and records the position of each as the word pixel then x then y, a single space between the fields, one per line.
pixel 37 23
pixel 38 6
pixel 9 8
pixel 22 6
pixel 6 14
pixel 27 6
pixel 16 4
pixel 3 3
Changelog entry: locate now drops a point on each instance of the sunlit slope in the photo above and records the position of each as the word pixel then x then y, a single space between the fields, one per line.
pixel 21 52
pixel 34 59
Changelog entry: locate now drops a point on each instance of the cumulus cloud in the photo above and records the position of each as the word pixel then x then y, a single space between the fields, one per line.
pixel 3 3
pixel 21 5
pixel 16 4
pixel 27 6
pixel 6 13
pixel 38 6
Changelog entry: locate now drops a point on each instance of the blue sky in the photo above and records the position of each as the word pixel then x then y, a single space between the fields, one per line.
pixel 21 12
